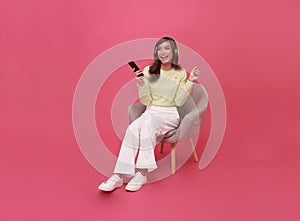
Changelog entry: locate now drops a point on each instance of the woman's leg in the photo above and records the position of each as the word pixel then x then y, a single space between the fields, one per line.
pixel 126 159
pixel 160 123
pixel 129 148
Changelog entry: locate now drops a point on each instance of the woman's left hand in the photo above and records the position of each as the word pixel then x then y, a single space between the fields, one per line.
pixel 195 73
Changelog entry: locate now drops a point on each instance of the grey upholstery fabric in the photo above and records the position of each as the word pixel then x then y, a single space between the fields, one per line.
pixel 191 115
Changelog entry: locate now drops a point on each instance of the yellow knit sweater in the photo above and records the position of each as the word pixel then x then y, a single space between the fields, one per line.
pixel 171 88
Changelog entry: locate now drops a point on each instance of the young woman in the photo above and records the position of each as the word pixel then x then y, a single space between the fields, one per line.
pixel 163 87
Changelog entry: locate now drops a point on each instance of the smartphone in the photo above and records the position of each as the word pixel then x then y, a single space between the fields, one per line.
pixel 135 68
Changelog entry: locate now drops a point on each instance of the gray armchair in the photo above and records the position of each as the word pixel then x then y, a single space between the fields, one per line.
pixel 191 114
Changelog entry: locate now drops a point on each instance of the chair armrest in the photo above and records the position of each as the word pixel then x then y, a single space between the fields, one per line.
pixel 135 111
pixel 192 113
pixel 188 127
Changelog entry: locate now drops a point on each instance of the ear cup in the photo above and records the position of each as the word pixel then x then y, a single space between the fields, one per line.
pixel 176 50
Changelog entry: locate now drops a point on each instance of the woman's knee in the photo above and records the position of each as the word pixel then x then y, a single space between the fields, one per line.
pixel 133 127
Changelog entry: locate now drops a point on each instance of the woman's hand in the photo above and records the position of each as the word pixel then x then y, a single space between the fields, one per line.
pixel 140 79
pixel 194 74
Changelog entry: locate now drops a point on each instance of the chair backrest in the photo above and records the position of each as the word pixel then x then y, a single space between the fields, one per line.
pixel 197 101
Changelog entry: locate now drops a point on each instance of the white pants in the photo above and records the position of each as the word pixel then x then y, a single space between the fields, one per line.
pixel 142 135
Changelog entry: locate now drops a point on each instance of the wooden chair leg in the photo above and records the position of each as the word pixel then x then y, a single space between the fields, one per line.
pixel 161 147
pixel 173 158
pixel 194 149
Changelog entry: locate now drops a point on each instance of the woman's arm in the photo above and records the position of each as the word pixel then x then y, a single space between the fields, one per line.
pixel 185 87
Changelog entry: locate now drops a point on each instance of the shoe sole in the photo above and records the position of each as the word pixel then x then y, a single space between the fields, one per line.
pixel 133 189
pixel 109 190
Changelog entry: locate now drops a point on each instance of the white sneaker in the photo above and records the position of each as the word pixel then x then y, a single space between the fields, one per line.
pixel 136 182
pixel 114 182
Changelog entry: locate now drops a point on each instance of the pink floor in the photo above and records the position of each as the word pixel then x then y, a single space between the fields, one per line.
pixel 252 46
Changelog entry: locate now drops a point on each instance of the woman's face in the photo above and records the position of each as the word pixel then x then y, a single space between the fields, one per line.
pixel 164 52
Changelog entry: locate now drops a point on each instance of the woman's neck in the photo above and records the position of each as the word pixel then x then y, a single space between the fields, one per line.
pixel 166 67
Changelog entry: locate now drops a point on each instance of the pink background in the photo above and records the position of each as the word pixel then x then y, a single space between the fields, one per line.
pixel 252 47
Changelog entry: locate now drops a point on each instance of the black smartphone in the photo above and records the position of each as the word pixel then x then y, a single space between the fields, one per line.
pixel 135 68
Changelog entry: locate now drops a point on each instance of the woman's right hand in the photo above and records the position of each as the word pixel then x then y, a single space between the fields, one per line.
pixel 139 79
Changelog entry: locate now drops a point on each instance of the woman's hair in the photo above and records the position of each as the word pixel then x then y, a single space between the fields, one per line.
pixel 155 67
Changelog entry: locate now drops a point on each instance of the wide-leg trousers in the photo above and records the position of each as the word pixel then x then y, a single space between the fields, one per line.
pixel 141 137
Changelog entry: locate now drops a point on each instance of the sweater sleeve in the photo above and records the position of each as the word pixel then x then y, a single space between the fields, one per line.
pixel 144 90
pixel 183 90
